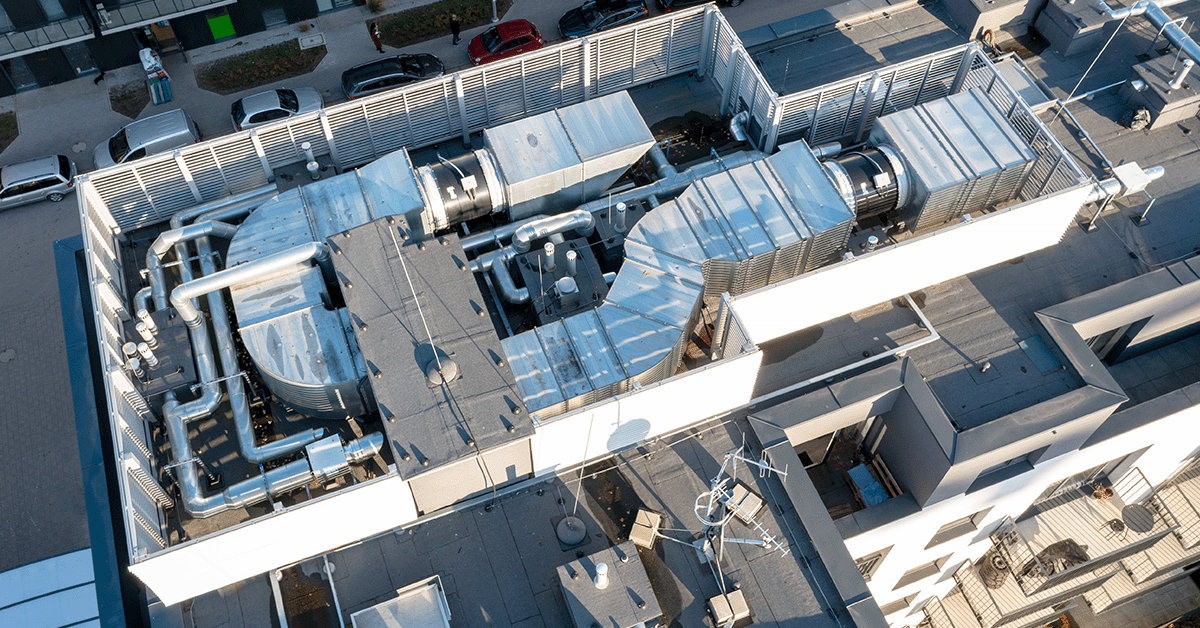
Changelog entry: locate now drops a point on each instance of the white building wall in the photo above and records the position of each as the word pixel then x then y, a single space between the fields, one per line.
pixel 1171 440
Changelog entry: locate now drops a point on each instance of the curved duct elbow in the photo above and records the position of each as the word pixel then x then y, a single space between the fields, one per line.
pixel 182 295
pixel 578 220
pixel 737 126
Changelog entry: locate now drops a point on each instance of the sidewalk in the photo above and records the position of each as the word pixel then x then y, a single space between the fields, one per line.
pixel 72 118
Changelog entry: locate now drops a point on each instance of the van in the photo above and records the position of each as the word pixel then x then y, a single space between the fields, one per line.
pixel 156 134
pixel 43 179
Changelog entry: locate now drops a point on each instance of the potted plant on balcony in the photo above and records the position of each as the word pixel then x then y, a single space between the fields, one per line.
pixel 1099 491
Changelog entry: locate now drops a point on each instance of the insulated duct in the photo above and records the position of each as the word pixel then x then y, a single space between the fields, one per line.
pixel 872 180
pixel 461 189
pixel 730 231
pixel 1163 23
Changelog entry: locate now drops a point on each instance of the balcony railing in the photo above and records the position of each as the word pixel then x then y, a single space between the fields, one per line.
pixel 1081 530
pixel 132 14
pixel 51 35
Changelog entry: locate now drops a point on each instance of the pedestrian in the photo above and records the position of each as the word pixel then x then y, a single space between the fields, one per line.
pixel 455 26
pixel 376 37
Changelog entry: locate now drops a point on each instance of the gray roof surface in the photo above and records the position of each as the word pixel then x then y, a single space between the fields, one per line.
pixel 433 423
pixel 499 567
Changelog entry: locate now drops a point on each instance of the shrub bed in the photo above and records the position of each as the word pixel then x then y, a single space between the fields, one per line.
pixel 427 22
pixel 258 67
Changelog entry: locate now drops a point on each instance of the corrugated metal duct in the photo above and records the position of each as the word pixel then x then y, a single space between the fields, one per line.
pixel 733 231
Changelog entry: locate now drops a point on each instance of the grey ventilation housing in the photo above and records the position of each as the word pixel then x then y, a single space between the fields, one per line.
pixel 734 231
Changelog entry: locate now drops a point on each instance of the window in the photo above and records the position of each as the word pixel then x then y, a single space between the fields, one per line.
pixel 957 528
pixel 868 565
pixel 898 605
pixel 922 572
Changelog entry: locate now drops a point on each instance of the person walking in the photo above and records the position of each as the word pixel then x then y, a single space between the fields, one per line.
pixel 455 27
pixel 376 37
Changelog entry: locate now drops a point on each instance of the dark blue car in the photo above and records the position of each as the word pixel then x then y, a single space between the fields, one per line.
pixel 599 15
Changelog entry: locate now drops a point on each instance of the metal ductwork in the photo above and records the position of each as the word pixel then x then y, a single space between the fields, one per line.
pixel 790 219
pixel 579 220
pixel 1163 23
pixel 947 157
pixel 461 189
pixel 872 180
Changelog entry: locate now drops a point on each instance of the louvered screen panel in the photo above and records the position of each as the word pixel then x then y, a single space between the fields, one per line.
pixel 205 173
pixel 722 55
pixel 241 166
pixel 309 130
pixel 432 112
pixel 352 134
pixel 614 62
pixel 686 34
pixel 543 84
pixel 504 93
pixel 651 52
pixel 797 115
pixel 572 74
pixel 389 123
pixel 161 178
pixel 832 113
pixel 278 146
pixel 475 99
pixel 123 196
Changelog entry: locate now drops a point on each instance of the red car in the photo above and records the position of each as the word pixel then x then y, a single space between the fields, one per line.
pixel 504 40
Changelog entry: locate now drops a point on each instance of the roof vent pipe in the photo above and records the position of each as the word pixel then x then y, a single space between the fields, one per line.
pixel 578 220
pixel 1179 78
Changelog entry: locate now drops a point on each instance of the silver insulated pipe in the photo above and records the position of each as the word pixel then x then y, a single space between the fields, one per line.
pixel 167 239
pixel 1159 19
pixel 182 295
pixel 238 403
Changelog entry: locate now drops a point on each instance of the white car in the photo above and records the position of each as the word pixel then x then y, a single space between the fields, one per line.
pixel 48 178
pixel 277 104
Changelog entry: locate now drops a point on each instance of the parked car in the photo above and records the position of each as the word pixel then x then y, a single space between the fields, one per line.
pixel 278 104
pixel 376 76
pixel 597 15
pixel 504 40
pixel 156 134
pixel 44 179
pixel 671 5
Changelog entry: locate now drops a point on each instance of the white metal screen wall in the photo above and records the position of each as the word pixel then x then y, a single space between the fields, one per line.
pixel 129 413
pixel 352 133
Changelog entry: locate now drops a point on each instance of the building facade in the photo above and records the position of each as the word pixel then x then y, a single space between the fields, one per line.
pixel 46 42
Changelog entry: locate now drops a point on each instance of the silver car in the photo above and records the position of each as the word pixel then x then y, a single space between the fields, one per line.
pixel 252 111
pixel 148 136
pixel 47 178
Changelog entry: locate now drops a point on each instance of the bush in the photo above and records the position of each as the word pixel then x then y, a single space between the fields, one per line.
pixel 259 67
pixel 129 99
pixel 427 22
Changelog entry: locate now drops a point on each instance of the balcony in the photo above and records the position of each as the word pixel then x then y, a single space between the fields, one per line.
pixel 51 35
pixel 1085 527
pixel 999 603
pixel 141 12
